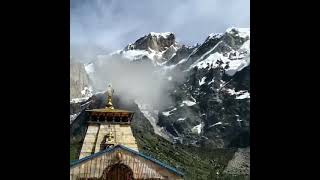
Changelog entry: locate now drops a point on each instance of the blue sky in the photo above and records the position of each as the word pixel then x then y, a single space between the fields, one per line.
pixel 102 26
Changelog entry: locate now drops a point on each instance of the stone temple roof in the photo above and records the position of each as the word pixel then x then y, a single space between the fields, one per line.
pixel 109 110
pixel 119 146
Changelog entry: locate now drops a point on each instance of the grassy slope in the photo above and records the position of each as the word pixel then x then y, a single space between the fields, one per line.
pixel 75 148
pixel 195 163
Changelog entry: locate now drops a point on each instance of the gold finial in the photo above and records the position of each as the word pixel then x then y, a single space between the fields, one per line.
pixel 110 136
pixel 110 92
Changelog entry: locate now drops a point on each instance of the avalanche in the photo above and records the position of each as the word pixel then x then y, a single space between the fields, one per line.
pixel 152 116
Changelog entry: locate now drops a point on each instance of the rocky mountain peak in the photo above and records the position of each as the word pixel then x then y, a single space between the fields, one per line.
pixel 153 41
pixel 240 32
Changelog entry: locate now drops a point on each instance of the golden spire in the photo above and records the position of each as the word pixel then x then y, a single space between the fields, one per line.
pixel 110 92
pixel 110 136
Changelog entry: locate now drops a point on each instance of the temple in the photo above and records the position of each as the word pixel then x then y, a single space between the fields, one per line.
pixel 110 151
pixel 108 127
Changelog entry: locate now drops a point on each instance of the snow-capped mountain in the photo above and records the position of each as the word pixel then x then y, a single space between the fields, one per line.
pixel 157 48
pixel 211 86
pixel 217 87
pixel 231 48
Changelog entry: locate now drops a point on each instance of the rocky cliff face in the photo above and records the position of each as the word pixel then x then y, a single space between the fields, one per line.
pixel 211 106
pixel 79 79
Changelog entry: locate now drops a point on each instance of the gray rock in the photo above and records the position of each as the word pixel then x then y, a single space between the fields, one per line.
pixel 78 79
pixel 240 163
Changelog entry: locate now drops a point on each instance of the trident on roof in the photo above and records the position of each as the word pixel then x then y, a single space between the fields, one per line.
pixel 110 92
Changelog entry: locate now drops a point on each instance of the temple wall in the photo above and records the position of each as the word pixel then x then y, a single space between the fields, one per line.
pixel 122 134
pixel 89 140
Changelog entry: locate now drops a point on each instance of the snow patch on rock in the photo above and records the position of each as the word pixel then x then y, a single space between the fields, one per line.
pixel 239 94
pixel 198 128
pixel 202 81
pixel 188 102
pixel 182 119
pixel 218 123
pixel 167 113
